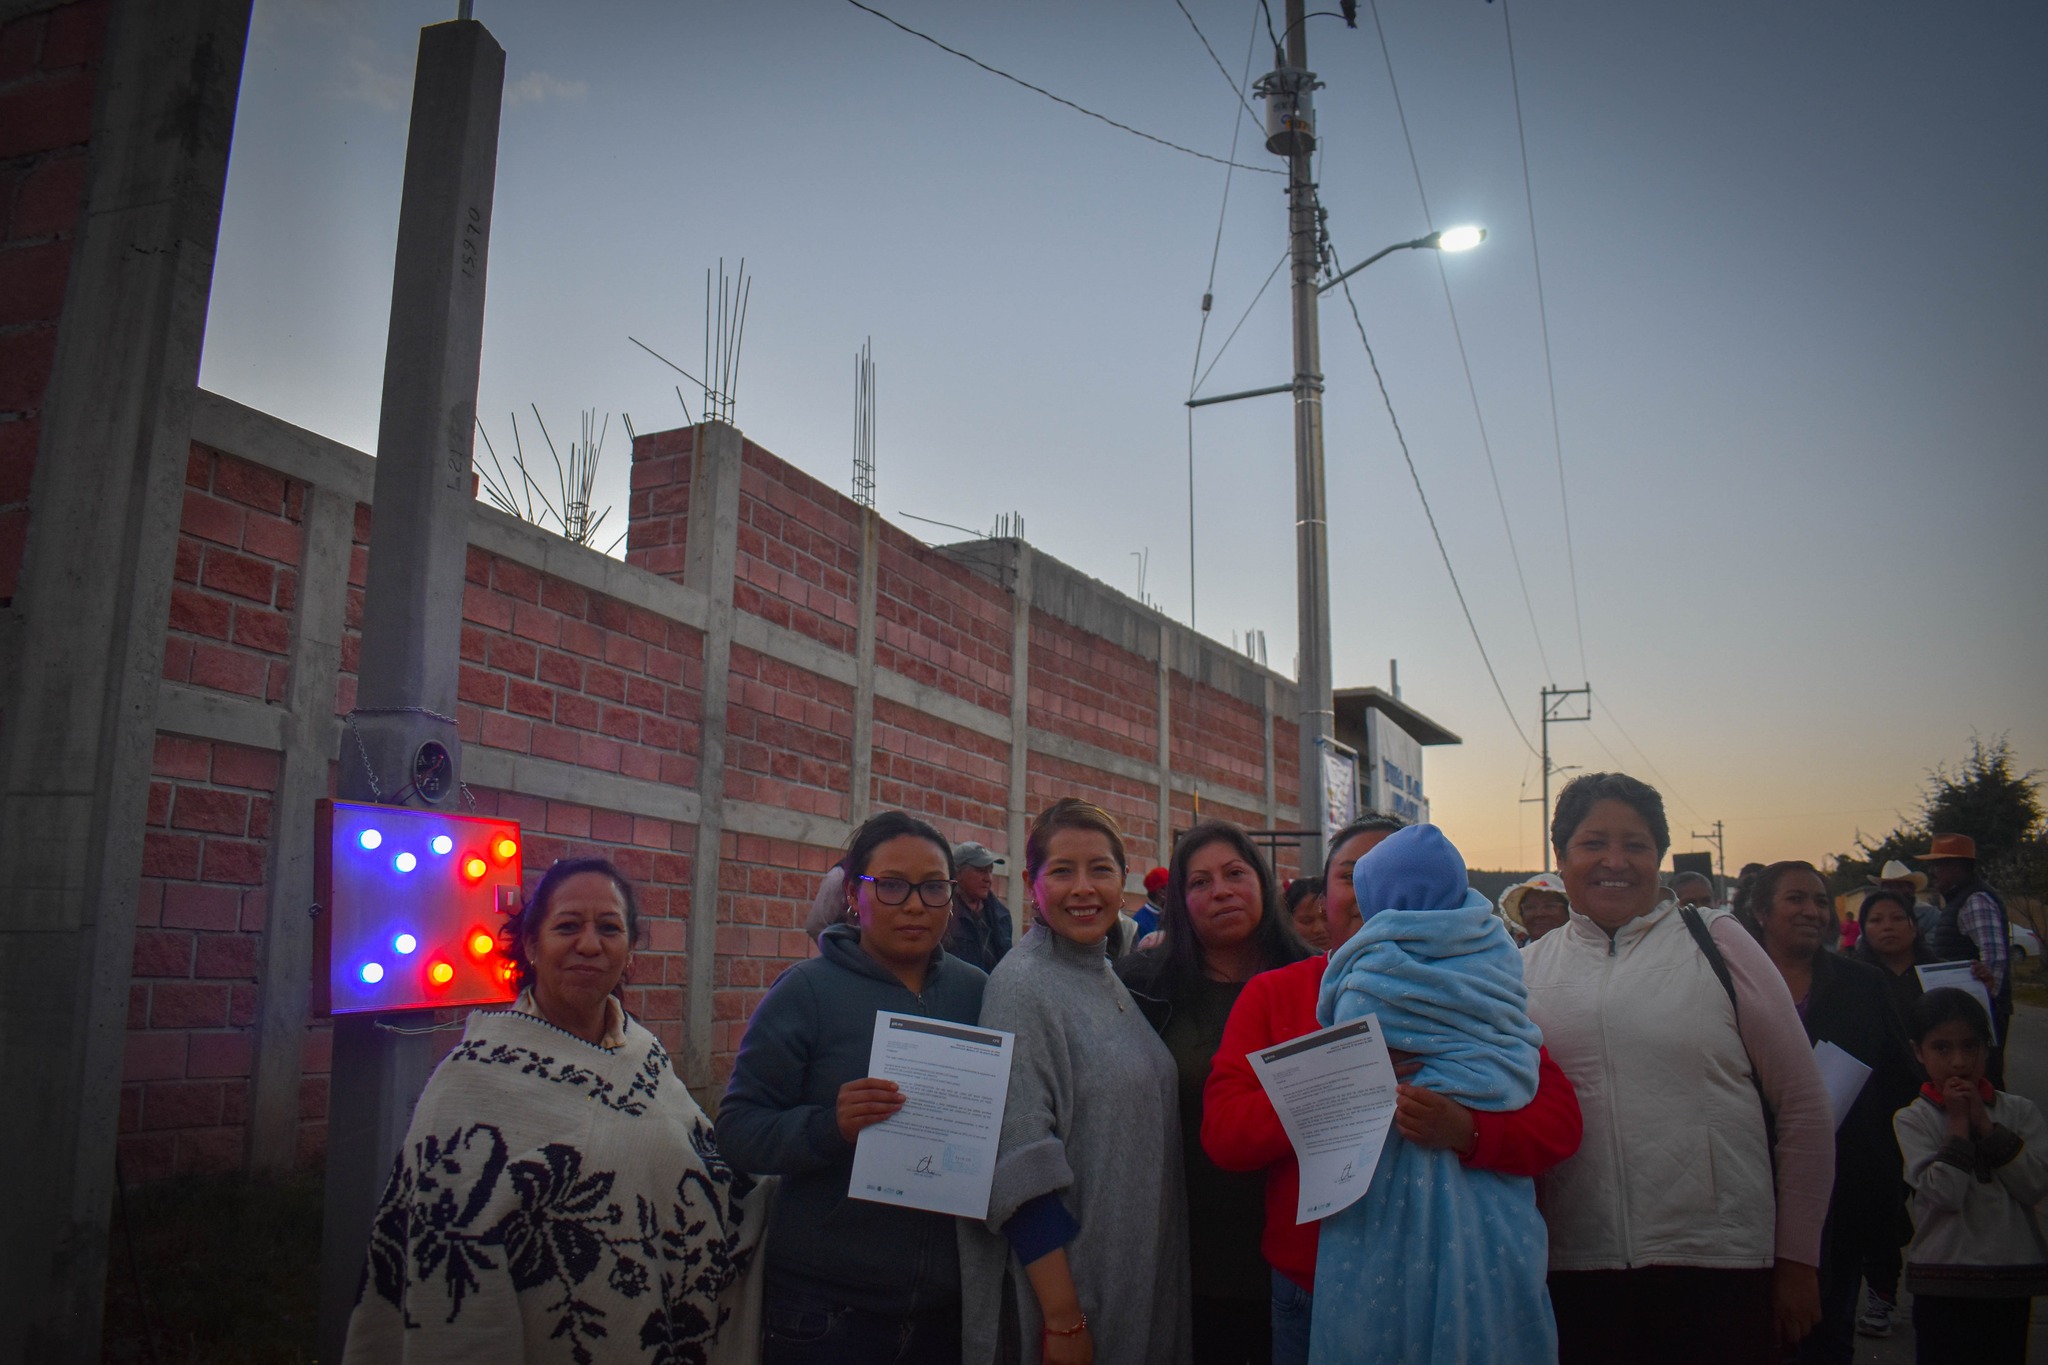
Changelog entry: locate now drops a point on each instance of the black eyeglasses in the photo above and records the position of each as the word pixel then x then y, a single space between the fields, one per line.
pixel 896 890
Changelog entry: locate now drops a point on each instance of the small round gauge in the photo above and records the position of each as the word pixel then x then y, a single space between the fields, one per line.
pixel 432 771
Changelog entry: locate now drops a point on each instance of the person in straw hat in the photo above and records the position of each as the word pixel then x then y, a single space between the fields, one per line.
pixel 1536 906
pixel 1972 928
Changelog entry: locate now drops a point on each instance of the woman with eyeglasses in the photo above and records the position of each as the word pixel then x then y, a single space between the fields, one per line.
pixel 850 1281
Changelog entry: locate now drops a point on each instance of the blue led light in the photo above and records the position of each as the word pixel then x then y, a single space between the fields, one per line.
pixel 372 972
pixel 404 944
pixel 443 844
pixel 405 862
pixel 370 838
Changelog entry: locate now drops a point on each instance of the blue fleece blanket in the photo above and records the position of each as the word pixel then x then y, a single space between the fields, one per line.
pixel 1438 1262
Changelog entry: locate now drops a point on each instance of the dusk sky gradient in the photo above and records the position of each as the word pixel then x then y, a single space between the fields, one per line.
pixel 1792 256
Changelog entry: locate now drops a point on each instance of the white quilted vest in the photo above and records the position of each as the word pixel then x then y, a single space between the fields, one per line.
pixel 1674 1168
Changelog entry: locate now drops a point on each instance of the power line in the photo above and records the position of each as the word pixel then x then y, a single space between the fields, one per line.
pixel 1270 277
pixel 1209 288
pixel 1444 276
pixel 1622 730
pixel 1470 624
pixel 1056 99
pixel 1235 87
pixel 1543 317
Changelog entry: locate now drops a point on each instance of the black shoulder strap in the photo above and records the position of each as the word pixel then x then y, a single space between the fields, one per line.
pixel 1702 936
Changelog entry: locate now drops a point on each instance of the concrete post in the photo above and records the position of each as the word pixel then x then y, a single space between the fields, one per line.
pixel 302 780
pixel 1020 730
pixel 93 600
pixel 1272 784
pixel 412 609
pixel 861 783
pixel 710 556
pixel 1164 842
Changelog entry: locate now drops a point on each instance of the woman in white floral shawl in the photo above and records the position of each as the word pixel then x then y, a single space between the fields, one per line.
pixel 559 1197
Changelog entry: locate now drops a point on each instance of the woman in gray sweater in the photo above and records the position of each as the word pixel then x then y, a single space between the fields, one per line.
pixel 1087 1224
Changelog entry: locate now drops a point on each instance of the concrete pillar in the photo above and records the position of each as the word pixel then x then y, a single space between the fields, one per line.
pixel 1272 785
pixel 93 599
pixel 1020 729
pixel 861 783
pixel 1164 850
pixel 302 780
pixel 711 552
pixel 412 608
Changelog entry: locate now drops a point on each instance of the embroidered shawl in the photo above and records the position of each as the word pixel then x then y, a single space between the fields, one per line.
pixel 557 1202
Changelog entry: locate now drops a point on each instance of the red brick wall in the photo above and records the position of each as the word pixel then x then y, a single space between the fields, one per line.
pixel 556 671
pixel 49 64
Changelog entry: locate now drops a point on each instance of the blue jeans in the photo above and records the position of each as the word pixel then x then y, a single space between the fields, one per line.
pixel 1292 1307
pixel 809 1329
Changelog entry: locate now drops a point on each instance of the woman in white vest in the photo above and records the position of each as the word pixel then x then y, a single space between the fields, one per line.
pixel 1669 1238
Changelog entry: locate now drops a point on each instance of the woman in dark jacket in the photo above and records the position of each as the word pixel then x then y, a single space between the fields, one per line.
pixel 1223 923
pixel 1846 1003
pixel 850 1281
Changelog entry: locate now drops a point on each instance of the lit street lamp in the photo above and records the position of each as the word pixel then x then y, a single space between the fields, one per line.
pixel 1450 239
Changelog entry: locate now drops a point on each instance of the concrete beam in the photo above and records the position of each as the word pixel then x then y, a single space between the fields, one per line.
pixel 306 735
pixel 504 771
pixel 205 714
pixel 93 598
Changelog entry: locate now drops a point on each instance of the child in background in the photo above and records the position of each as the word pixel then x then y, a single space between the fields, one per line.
pixel 1439 1263
pixel 1977 1159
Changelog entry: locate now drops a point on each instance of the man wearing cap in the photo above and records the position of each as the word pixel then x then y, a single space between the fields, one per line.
pixel 980 932
pixel 1147 917
pixel 1972 928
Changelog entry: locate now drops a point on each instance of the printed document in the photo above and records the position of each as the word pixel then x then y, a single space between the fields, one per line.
pixel 938 1151
pixel 1956 976
pixel 1334 1092
pixel 1842 1074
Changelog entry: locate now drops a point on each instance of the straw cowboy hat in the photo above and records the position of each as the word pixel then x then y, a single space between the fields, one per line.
pixel 1511 899
pixel 1896 871
pixel 1948 846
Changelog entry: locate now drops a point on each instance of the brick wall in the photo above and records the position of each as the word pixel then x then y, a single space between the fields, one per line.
pixel 590 677
pixel 49 64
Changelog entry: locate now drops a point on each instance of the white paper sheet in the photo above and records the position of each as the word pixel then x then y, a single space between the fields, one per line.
pixel 938 1152
pixel 1334 1092
pixel 1842 1074
pixel 1956 976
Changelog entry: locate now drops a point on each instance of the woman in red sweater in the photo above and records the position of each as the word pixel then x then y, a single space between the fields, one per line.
pixel 1241 1132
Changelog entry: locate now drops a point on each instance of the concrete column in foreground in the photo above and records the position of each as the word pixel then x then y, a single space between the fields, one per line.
pixel 1163 844
pixel 861 782
pixel 93 597
pixel 403 747
pixel 710 556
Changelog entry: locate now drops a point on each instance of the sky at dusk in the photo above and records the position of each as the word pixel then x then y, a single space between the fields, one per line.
pixel 1792 260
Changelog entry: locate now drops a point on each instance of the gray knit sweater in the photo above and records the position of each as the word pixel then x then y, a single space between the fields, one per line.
pixel 1093 1115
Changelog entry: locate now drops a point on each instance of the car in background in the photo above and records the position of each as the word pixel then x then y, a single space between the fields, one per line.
pixel 2026 944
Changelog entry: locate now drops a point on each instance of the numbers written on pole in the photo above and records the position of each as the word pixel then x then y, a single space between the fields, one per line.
pixel 472 242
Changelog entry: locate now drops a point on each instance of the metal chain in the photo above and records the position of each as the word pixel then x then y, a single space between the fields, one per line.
pixel 376 791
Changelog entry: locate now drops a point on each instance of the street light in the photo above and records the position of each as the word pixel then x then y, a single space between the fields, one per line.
pixel 1449 239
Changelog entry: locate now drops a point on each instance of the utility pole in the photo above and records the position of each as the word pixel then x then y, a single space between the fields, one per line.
pixel 1717 839
pixel 1290 132
pixel 1554 699
pixel 401 742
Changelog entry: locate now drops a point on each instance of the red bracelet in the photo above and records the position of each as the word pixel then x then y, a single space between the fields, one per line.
pixel 1074 1331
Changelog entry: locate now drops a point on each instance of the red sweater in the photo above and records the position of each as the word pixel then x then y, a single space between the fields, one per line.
pixel 1240 1131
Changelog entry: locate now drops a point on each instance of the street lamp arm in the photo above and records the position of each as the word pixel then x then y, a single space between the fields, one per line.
pixel 1419 242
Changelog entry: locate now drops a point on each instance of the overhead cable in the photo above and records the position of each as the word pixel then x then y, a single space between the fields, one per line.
pixel 1444 276
pixel 1056 99
pixel 1236 88
pixel 1416 478
pixel 1543 316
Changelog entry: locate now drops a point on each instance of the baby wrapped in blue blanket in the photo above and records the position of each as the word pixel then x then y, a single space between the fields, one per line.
pixel 1438 1262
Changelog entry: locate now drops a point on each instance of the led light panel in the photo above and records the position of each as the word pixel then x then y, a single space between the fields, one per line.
pixel 411 904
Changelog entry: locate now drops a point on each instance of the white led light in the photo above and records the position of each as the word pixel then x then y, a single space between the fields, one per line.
pixel 404 943
pixel 443 844
pixel 1460 238
pixel 370 838
pixel 372 972
pixel 405 862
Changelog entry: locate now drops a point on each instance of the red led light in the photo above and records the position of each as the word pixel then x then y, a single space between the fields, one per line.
pixel 505 847
pixel 481 943
pixel 440 973
pixel 474 868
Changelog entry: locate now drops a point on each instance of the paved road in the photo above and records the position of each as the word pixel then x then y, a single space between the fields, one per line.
pixel 2026 1073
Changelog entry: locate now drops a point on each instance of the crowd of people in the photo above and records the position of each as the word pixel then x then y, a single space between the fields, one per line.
pixel 1611 1140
